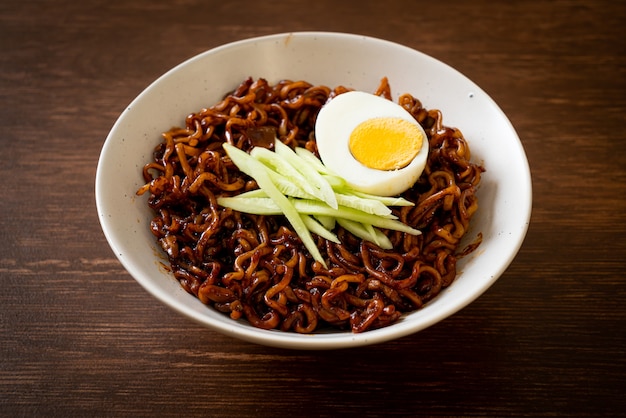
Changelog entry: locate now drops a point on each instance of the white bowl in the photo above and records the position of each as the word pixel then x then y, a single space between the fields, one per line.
pixel 329 59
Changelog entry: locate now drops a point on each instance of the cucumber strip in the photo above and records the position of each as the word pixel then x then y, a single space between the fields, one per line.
pixel 375 207
pixel 315 208
pixel 253 205
pixel 307 155
pixel 378 237
pixel 385 200
pixel 288 187
pixel 309 171
pixel 366 232
pixel 258 171
pixel 297 185
pixel 279 164
pixel 285 186
pixel 337 183
pixel 340 186
pixel 327 221
pixel 251 194
pixel 319 229
pixel 267 206
pixel 383 240
pixel 371 231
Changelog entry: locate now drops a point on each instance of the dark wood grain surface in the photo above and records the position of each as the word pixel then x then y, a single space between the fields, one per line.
pixel 79 337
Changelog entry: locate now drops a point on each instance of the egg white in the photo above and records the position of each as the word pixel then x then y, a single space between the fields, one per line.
pixel 336 121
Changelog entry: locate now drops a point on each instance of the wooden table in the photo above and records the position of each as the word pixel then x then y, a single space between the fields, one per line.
pixel 79 337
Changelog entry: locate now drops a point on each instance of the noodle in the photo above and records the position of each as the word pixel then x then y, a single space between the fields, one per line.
pixel 255 267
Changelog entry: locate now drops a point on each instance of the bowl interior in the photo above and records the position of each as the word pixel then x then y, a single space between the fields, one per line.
pixel 321 58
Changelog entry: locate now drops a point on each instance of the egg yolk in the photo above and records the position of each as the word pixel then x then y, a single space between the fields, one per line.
pixel 385 143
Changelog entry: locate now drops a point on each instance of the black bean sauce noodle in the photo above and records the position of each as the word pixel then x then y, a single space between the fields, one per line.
pixel 255 267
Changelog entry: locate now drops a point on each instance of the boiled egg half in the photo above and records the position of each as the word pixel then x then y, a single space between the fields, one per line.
pixel 374 144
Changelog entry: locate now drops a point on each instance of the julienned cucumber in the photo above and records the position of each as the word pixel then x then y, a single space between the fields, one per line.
pixel 259 172
pixel 260 205
pixel 297 185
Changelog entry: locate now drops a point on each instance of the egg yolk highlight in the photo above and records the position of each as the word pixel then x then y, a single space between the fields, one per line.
pixel 385 143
